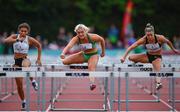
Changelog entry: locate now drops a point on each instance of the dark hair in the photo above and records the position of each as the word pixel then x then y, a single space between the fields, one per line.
pixel 24 25
pixel 149 27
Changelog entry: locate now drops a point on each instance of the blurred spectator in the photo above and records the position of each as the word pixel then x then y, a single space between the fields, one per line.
pixel 113 35
pixel 53 46
pixel 45 44
pixel 38 38
pixel 1 44
pixel 131 38
pixel 108 44
pixel 62 39
pixel 91 29
pixel 176 41
pixel 7 48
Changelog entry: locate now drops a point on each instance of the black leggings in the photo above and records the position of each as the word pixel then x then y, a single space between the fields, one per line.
pixel 19 61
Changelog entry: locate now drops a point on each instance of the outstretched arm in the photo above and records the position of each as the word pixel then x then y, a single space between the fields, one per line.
pixel 169 43
pixel 137 43
pixel 100 39
pixel 69 46
pixel 38 46
pixel 10 39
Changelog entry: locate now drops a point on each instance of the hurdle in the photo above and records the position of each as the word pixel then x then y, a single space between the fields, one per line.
pixel 80 74
pixel 127 75
pixel 7 91
pixel 171 84
pixel 51 74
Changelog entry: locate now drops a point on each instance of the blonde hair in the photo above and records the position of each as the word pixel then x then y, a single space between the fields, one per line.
pixel 81 26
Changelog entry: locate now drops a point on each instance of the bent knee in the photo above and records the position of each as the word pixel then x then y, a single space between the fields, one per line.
pixel 26 63
pixel 65 62
pixel 131 58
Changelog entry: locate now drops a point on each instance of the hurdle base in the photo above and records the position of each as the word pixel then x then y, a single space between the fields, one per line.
pixel 135 101
pixel 72 109
pixel 79 100
pixel 176 101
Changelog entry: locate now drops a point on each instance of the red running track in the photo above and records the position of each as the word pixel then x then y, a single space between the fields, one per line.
pixel 78 89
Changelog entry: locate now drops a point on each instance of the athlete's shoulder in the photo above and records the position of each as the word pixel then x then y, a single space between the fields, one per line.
pixel 75 38
pixel 93 35
pixel 143 38
pixel 30 38
pixel 159 35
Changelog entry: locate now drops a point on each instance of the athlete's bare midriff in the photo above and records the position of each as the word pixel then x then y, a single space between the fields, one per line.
pixel 19 55
pixel 159 52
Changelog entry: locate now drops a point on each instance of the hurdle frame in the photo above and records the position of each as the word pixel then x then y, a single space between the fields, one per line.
pixel 111 76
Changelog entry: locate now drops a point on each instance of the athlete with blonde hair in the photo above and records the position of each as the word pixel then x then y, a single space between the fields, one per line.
pixel 89 52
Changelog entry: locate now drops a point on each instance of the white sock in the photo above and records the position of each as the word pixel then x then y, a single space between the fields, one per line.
pixel 33 80
pixel 24 101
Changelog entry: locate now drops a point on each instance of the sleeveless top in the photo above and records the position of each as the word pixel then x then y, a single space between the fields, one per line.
pixel 152 47
pixel 86 46
pixel 21 46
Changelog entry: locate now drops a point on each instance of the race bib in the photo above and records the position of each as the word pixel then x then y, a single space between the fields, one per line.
pixel 86 46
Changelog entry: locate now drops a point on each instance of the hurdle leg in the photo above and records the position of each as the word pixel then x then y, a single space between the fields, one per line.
pixel 169 89
pixel 119 91
pixel 28 91
pixel 106 93
pixel 173 92
pixel 127 91
pixel 43 92
pixel 12 86
pixel 38 94
pixel 6 87
pixel 52 92
pixel 111 91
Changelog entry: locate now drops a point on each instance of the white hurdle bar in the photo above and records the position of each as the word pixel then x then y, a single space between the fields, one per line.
pixel 99 66
pixel 122 68
pixel 87 74
pixel 56 67
pixel 144 65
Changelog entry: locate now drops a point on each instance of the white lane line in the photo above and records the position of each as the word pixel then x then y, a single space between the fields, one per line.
pixel 8 95
pixel 108 103
pixel 164 102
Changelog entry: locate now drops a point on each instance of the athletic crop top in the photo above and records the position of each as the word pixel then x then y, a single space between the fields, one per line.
pixel 86 46
pixel 152 47
pixel 21 46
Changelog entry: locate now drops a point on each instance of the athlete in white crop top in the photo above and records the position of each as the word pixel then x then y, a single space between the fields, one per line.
pixel 153 44
pixel 21 46
pixel 21 43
